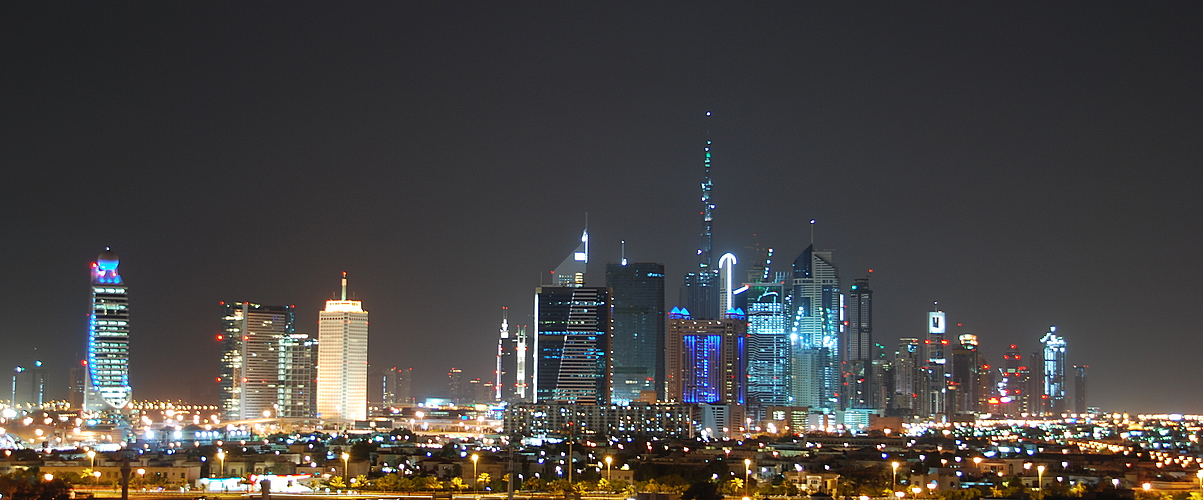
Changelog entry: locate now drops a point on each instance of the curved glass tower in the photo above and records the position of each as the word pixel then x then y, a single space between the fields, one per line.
pixel 108 338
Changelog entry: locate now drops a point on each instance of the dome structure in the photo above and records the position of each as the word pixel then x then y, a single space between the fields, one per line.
pixel 107 261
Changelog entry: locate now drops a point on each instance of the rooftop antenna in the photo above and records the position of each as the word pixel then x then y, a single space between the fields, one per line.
pixel 812 231
pixel 624 252
pixel 344 285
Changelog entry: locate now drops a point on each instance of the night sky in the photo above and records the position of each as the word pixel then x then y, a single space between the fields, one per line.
pixel 1025 165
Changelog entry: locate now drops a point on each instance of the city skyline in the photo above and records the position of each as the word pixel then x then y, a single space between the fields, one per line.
pixel 991 170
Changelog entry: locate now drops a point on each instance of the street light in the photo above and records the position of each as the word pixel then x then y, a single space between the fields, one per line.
pixel 221 458
pixel 610 460
pixel 894 482
pixel 475 475
pixel 92 457
pixel 96 474
pixel 1040 479
pixel 48 477
pixel 747 476
pixel 345 456
pixel 141 477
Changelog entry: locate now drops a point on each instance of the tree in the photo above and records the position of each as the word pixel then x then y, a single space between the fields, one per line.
pixel 31 485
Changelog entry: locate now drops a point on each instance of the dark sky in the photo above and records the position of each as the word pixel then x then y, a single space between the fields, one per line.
pixel 1023 164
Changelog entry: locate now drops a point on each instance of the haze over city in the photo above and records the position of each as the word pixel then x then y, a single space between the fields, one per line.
pixel 1024 165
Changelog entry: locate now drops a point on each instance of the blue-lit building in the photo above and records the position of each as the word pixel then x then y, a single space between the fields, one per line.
pixel 638 334
pixel 707 358
pixel 816 306
pixel 763 300
pixel 107 384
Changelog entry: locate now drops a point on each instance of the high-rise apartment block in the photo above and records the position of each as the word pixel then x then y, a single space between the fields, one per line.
pixel 638 333
pixel 107 385
pixel 397 387
pixel 267 369
pixel 342 374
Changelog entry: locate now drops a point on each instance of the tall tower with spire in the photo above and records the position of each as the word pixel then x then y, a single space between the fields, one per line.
pixel 572 350
pixel 107 385
pixel 342 359
pixel 700 292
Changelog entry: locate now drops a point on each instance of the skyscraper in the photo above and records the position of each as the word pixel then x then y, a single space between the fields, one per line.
pixel 1080 389
pixel 909 384
pixel 266 367
pixel 818 313
pixel 29 385
pixel 967 373
pixel 707 359
pixel 638 335
pixel 700 292
pixel 342 374
pixel 572 337
pixel 935 365
pixel 857 356
pixel 397 387
pixel 1053 395
pixel 1015 385
pixel 108 338
pixel 763 298
pixel 572 345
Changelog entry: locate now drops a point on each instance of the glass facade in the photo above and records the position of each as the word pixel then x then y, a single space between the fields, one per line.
pixel 638 335
pixel 572 345
pixel 816 305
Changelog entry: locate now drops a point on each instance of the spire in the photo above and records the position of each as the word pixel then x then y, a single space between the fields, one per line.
pixel 706 261
pixel 344 285
pixel 571 272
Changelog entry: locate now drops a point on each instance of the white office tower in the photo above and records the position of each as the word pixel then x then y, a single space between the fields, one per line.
pixel 342 360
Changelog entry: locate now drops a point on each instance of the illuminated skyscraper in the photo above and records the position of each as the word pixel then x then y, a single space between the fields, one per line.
pixel 700 293
pixel 816 305
pixel 342 373
pixel 707 359
pixel 572 345
pixel 572 337
pixel 1016 394
pixel 763 300
pixel 936 351
pixel 1053 396
pixel 108 338
pixel 638 336
pixel 265 365
pixel 29 385
pixel 857 359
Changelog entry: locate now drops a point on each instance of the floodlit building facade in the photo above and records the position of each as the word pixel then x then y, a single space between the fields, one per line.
pixel 1053 397
pixel 572 345
pixel 342 369
pixel 107 384
pixel 266 368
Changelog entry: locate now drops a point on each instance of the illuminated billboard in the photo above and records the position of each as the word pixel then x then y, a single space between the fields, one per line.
pixel 935 322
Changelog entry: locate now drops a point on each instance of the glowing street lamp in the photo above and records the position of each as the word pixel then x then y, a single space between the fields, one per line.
pixel 345 456
pixel 610 460
pixel 1040 478
pixel 221 459
pixel 141 477
pixel 475 475
pixel 48 477
pixel 92 457
pixel 894 481
pixel 96 474
pixel 747 476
